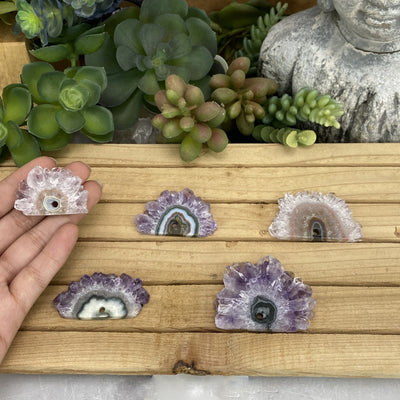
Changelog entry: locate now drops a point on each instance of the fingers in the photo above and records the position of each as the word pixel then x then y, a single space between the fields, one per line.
pixel 9 185
pixel 16 224
pixel 29 245
pixel 33 279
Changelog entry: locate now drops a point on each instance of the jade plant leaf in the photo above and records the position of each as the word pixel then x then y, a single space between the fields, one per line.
pixel 126 114
pixel 55 53
pixel 95 74
pixel 49 84
pixel 172 24
pixel 70 121
pixel 119 16
pixel 104 57
pixel 98 120
pixel 17 103
pixel 87 44
pixel 26 151
pixel 201 34
pixel 30 76
pixel 42 121
pixel 55 143
pixel 99 138
pixel 15 137
pixel 127 34
pixel 148 83
pixel 150 36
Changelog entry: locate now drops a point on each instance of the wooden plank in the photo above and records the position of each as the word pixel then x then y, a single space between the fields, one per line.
pixel 199 262
pixel 190 308
pixel 338 355
pixel 115 222
pixel 236 155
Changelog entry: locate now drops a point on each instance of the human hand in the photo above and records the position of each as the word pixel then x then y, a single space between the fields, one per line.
pixel 32 249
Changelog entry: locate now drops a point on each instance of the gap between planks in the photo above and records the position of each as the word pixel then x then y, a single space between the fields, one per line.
pixel 341 355
pixel 190 308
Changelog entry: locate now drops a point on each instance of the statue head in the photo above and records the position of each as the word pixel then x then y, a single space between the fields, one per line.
pixel 370 25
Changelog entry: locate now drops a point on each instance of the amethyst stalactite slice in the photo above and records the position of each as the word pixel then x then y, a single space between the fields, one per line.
pixel 102 296
pixel 314 217
pixel 263 297
pixel 51 192
pixel 177 214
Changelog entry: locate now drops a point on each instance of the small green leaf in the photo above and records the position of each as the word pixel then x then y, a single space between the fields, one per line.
pixel 55 143
pixel 31 74
pixel 190 149
pixel 126 57
pixel 94 92
pixel 115 19
pixel 94 31
pixel 151 9
pixel 49 85
pixel 95 74
pixel 98 120
pixel 73 96
pixel 17 103
pixel 3 133
pixel 173 25
pixel 150 36
pixel 55 53
pixel 127 34
pixel 179 46
pixel 148 83
pixel 88 44
pixel 126 114
pixel 120 86
pixel 27 151
pixel 14 138
pixel 42 121
pixel 100 138
pixel 70 121
pixel 195 12
pixel 71 33
pixel 7 6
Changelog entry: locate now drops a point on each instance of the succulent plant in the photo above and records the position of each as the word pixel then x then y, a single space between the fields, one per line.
pixel 93 8
pixel 75 41
pixel 290 137
pixel 145 46
pixel 258 32
pixel 307 105
pixel 42 18
pixel 187 119
pixel 15 105
pixel 242 97
pixel 6 11
pixel 66 103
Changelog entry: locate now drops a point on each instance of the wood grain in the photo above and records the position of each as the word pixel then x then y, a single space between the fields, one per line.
pixel 338 355
pixel 190 308
pixel 200 262
pixel 115 222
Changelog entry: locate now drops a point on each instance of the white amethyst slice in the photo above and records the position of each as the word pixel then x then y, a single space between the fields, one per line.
pixel 314 217
pixel 102 296
pixel 51 192
pixel 177 214
pixel 263 297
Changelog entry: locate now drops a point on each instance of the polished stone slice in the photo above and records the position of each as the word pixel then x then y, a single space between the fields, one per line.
pixel 263 297
pixel 102 296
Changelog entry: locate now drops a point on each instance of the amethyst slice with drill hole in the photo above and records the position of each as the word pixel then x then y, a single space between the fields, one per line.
pixel 177 214
pixel 102 296
pixel 263 297
pixel 51 192
pixel 312 216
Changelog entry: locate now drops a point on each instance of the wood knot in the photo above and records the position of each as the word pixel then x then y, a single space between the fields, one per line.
pixel 181 367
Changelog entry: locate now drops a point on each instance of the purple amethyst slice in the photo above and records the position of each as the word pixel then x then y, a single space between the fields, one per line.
pixel 102 296
pixel 314 217
pixel 263 298
pixel 177 214
pixel 51 192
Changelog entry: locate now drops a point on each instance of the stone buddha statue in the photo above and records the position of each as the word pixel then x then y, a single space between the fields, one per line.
pixel 349 49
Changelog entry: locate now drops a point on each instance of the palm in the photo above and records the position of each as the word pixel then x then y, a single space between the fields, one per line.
pixel 32 249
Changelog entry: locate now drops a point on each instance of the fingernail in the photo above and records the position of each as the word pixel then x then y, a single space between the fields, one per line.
pixel 55 161
pixel 100 183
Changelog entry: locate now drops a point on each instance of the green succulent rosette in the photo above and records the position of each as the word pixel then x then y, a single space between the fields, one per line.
pixel 15 105
pixel 145 46
pixel 66 103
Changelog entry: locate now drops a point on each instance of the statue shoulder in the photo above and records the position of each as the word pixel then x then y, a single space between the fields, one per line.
pixel 288 39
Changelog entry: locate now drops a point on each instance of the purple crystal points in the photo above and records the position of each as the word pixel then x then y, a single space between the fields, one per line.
pixel 51 192
pixel 314 217
pixel 177 214
pixel 102 296
pixel 263 297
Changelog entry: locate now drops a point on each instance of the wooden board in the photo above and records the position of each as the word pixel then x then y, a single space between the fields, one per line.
pixel 356 328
